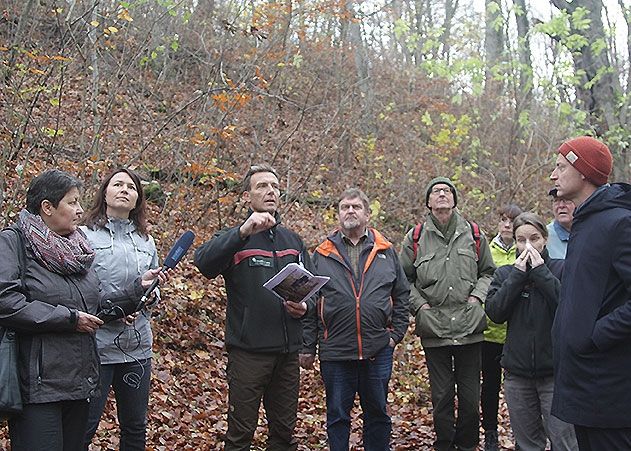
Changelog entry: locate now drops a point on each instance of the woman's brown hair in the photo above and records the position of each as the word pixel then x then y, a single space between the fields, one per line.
pixel 530 219
pixel 97 216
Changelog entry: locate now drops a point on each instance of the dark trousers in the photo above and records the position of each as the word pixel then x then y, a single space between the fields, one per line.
pixel 491 384
pixel 368 378
pixel 53 426
pixel 131 382
pixel 273 377
pixel 450 367
pixel 594 439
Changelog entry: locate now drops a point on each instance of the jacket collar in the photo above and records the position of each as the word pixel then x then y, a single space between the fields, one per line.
pixel 276 216
pixel 561 232
pixel 118 225
pixel 329 246
pixel 499 244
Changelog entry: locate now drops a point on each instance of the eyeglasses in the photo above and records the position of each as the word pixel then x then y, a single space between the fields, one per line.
pixel 441 190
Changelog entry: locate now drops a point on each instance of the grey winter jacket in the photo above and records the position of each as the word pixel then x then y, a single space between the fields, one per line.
pixel 55 362
pixel 122 255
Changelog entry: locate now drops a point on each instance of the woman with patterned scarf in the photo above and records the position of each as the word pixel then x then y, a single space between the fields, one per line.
pixel 49 296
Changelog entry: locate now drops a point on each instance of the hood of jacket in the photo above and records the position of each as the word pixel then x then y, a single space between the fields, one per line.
pixel 616 195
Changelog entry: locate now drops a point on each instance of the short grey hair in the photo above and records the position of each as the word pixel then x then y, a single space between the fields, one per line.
pixel 52 185
pixel 255 169
pixel 354 193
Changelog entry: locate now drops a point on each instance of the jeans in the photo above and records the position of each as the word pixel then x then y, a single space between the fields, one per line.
pixel 131 389
pixel 529 402
pixel 368 378
pixel 455 370
pixel 274 377
pixel 53 426
pixel 491 384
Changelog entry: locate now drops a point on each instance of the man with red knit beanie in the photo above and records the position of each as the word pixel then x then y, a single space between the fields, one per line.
pixel 592 327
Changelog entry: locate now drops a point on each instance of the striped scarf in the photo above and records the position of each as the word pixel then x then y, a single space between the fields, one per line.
pixel 58 254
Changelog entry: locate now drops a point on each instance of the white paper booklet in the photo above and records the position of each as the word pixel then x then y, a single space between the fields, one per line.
pixel 295 283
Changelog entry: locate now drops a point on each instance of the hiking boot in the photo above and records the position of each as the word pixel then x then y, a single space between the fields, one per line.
pixel 490 441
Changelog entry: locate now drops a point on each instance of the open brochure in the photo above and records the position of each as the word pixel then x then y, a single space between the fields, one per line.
pixel 295 283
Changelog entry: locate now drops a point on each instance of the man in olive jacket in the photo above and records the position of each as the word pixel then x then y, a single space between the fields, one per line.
pixel 362 313
pixel 450 270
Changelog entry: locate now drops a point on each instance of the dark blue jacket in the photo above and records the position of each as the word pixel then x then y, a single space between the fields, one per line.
pixel 592 328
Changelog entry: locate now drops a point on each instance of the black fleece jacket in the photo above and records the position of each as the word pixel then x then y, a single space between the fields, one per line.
pixel 256 320
pixel 528 302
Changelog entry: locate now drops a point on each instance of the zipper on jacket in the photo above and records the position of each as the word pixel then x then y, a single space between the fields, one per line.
pixel 40 362
pixel 357 311
pixel 321 312
pixel 282 305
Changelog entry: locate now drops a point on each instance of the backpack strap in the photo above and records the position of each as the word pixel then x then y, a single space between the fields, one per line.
pixel 475 231
pixel 416 235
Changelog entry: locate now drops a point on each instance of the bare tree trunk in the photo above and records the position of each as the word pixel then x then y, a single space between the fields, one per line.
pixel 18 38
pixel 419 16
pixel 94 62
pixel 362 66
pixel 493 42
pixel 525 55
pixel 397 10
pixel 626 11
pixel 598 87
pixel 450 11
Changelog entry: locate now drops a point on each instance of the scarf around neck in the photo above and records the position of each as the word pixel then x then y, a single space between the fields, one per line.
pixel 58 254
pixel 448 229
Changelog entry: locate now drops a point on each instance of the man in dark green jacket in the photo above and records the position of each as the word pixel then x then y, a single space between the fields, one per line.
pixel 450 269
pixel 362 313
pixel 263 333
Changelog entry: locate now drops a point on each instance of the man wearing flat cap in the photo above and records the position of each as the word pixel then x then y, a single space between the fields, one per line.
pixel 559 228
pixel 592 327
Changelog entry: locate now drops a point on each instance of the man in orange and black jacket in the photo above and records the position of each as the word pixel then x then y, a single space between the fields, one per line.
pixel 362 313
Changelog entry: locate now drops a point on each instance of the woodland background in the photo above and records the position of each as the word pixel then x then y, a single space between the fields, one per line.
pixel 383 94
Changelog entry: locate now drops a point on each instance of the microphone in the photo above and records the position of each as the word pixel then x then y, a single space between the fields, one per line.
pixel 174 256
pixel 112 310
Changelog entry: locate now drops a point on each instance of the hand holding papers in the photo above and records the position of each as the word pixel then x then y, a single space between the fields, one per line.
pixel 295 283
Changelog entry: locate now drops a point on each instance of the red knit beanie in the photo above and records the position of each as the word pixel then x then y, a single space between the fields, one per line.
pixel 590 157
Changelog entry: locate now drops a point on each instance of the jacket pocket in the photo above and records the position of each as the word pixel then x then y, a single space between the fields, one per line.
pixel 243 333
pixel 426 271
pixel 144 260
pixel 470 320
pixel 468 265
pixel 145 250
pixel 467 319
pixel 431 323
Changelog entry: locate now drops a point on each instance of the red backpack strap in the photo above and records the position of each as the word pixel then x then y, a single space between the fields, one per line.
pixel 416 235
pixel 475 230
